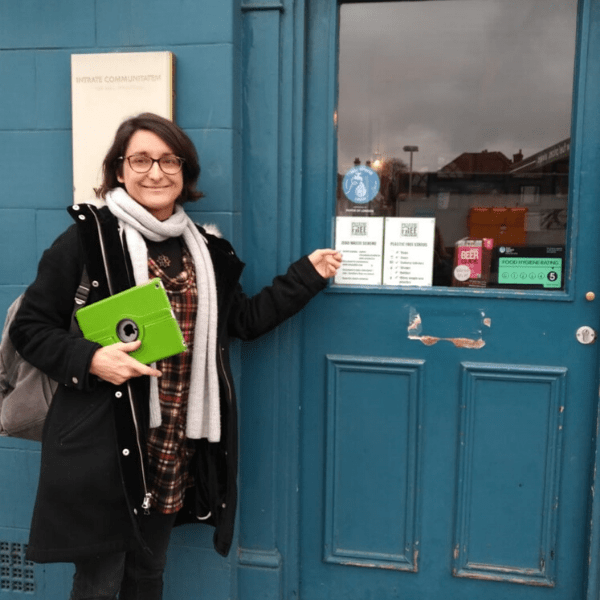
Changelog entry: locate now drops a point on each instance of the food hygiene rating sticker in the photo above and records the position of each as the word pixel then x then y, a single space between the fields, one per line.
pixel 530 271
pixel 360 184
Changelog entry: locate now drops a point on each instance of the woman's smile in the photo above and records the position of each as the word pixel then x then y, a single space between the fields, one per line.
pixel 155 190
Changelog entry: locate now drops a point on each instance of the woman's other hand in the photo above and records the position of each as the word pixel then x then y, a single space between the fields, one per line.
pixel 113 363
pixel 326 262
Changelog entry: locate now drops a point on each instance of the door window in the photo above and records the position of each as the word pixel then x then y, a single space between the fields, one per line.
pixel 453 123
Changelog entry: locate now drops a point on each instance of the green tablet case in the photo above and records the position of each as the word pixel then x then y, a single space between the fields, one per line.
pixel 141 312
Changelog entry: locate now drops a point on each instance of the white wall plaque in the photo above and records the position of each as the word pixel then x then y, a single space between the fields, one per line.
pixel 106 89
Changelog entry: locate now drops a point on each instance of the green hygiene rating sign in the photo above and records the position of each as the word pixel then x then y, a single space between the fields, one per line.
pixel 530 271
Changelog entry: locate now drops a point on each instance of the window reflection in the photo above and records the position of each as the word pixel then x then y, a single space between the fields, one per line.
pixel 463 110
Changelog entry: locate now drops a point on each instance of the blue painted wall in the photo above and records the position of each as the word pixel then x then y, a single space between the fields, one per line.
pixel 36 42
pixel 254 87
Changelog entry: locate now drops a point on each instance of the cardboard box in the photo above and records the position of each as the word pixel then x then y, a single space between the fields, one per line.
pixel 506 226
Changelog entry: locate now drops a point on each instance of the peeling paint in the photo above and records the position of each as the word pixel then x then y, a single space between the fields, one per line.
pixel 426 339
pixel 415 332
pixel 527 571
pixel 429 340
pixel 414 321
pixel 467 343
pixel 349 563
pixel 485 572
pixel 507 578
pixel 456 552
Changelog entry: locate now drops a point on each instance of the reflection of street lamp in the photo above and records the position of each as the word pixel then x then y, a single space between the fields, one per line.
pixel 410 149
pixel 377 162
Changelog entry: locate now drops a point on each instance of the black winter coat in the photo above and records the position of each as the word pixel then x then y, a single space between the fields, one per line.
pixel 92 481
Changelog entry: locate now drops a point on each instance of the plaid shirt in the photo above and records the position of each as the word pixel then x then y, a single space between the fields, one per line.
pixel 169 451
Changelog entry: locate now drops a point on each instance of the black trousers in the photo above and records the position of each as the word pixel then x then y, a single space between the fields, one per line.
pixel 133 575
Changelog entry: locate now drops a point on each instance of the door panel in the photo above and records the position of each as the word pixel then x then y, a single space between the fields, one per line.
pixel 476 469
pixel 510 433
pixel 355 533
pixel 447 433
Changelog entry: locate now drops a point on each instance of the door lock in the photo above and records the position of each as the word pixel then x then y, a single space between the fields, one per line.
pixel 585 335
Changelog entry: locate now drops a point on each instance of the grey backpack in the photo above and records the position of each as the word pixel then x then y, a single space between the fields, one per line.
pixel 26 392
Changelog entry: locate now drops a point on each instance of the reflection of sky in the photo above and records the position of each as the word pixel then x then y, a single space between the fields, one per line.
pixel 454 76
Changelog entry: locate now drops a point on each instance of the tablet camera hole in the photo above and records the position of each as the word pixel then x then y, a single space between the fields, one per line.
pixel 128 331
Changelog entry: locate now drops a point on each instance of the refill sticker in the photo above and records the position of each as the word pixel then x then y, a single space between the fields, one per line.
pixel 361 184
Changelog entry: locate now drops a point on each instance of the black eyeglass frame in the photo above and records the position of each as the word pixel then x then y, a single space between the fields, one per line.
pixel 154 160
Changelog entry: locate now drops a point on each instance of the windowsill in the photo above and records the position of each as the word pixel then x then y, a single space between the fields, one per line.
pixel 558 295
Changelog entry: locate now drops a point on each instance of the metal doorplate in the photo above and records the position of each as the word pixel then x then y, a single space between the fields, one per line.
pixel 586 335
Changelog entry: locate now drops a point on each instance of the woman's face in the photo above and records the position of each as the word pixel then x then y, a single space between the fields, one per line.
pixel 156 191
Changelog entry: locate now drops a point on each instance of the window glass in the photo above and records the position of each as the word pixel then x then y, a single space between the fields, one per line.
pixel 453 125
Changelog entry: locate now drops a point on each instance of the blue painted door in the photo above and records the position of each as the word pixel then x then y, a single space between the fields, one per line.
pixel 447 431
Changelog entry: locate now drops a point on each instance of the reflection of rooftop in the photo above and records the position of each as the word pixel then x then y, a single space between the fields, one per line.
pixel 554 159
pixel 478 162
pixel 541 160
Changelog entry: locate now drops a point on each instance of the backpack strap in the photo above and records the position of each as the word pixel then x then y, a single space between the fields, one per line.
pixel 81 296
pixel 102 248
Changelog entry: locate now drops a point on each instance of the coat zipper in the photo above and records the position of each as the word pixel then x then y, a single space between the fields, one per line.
pixel 225 376
pixel 147 494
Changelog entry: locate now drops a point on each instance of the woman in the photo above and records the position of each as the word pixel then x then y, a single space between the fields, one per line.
pixel 129 450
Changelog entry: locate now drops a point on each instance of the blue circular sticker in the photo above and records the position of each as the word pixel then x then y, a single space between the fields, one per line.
pixel 360 184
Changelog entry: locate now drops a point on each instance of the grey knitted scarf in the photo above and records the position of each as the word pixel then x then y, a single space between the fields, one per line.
pixel 203 416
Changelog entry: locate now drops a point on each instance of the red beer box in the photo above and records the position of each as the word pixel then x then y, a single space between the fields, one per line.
pixel 472 261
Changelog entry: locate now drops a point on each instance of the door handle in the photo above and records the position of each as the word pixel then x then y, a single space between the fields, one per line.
pixel 586 335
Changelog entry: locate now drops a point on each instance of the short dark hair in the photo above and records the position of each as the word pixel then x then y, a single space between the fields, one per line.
pixel 169 133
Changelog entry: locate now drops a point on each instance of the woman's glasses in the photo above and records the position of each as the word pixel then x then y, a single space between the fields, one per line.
pixel 140 163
